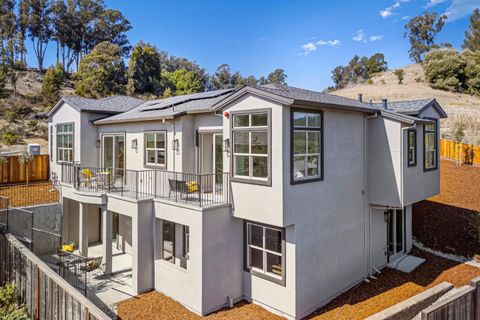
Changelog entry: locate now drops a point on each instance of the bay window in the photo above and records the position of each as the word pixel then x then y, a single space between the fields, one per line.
pixel 412 147
pixel 265 251
pixel 430 146
pixel 65 141
pixel 251 150
pixel 306 146
pixel 156 148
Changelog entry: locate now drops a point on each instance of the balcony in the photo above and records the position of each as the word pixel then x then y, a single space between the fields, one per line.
pixel 192 189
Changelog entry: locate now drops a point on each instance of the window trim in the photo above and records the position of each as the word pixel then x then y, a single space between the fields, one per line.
pixel 51 126
pixel 162 253
pixel 153 165
pixel 437 158
pixel 56 142
pixel 254 272
pixel 414 163
pixel 248 180
pixel 292 129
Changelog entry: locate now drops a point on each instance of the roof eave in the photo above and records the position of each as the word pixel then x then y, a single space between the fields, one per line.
pixel 333 106
pixel 247 89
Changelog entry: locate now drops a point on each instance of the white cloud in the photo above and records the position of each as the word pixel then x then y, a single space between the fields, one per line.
pixel 405 17
pixel 388 11
pixel 375 38
pixel 433 3
pixel 359 35
pixel 457 9
pixel 312 46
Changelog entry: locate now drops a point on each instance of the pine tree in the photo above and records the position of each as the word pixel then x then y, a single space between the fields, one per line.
pixel 144 70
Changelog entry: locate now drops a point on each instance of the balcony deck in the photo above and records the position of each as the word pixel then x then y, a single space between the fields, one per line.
pixel 192 189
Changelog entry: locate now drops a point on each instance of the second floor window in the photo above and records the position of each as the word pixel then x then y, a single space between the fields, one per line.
pixel 412 147
pixel 65 142
pixel 155 148
pixel 430 146
pixel 251 150
pixel 306 145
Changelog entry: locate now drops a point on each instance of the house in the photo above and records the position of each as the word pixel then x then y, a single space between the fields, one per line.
pixel 283 196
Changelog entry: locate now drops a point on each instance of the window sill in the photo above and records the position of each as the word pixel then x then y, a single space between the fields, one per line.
pixel 430 169
pixel 174 266
pixel 293 181
pixel 267 183
pixel 267 277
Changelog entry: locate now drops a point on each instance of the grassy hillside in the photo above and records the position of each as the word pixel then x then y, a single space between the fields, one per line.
pixel 461 108
pixel 20 110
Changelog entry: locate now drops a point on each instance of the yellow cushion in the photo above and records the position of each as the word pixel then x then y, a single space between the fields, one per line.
pixel 87 173
pixel 68 247
pixel 192 186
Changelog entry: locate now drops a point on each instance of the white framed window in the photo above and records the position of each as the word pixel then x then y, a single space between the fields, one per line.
pixel 265 251
pixel 65 142
pixel 430 146
pixel 412 147
pixel 251 146
pixel 156 148
pixel 306 145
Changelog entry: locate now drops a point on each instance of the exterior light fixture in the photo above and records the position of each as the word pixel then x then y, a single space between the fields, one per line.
pixel 135 144
pixel 226 145
pixel 98 143
pixel 176 145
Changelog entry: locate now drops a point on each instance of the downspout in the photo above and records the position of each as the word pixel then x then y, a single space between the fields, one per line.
pixel 366 213
pixel 173 144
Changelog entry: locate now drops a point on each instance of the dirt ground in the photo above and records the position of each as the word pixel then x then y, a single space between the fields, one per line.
pixel 450 221
pixel 390 288
pixel 29 195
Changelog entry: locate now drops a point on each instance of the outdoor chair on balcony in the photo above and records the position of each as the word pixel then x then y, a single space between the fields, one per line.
pixel 106 181
pixel 183 187
pixel 92 264
pixel 88 179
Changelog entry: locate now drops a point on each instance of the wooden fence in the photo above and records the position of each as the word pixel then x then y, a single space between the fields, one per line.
pixel 22 195
pixel 12 171
pixel 466 153
pixel 464 305
pixel 46 295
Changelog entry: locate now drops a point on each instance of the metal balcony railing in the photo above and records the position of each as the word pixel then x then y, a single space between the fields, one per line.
pixel 193 189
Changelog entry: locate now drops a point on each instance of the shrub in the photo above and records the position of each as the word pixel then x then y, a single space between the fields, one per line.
pixel 370 81
pixel 10 136
pixel 472 71
pixel 10 307
pixel 399 73
pixel 52 83
pixel 445 70
pixel 418 79
pixel 383 81
pixel 32 123
pixel 10 115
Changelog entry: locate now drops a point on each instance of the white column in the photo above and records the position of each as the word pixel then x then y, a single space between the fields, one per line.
pixel 83 229
pixel 107 239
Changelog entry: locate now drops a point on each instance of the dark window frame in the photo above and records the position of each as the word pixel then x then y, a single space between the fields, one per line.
pixel 415 146
pixel 247 180
pixel 292 130
pixel 150 165
pixel 162 253
pixel 263 275
pixel 437 155
pixel 56 142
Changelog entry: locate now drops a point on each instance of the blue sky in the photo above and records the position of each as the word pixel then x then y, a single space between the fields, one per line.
pixel 306 38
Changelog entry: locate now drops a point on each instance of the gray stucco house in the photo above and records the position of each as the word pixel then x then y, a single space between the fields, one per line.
pixel 282 196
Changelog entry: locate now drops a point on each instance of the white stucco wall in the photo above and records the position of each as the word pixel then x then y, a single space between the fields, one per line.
pixel 328 215
pixel 270 209
pixel 384 166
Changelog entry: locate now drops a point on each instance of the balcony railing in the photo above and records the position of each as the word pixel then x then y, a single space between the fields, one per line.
pixel 194 189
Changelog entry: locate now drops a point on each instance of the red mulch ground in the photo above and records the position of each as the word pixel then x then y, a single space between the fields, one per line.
pixel 450 221
pixel 22 195
pixel 444 222
pixel 390 288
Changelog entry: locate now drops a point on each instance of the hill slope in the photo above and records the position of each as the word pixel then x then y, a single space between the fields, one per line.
pixel 460 107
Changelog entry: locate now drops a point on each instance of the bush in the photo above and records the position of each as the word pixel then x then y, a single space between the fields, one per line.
pixel 10 307
pixel 445 70
pixel 472 71
pixel 370 81
pixel 418 80
pixel 383 81
pixel 52 83
pixel 399 73
pixel 32 123
pixel 10 136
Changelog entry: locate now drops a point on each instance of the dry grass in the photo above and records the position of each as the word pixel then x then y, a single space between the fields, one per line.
pixel 22 195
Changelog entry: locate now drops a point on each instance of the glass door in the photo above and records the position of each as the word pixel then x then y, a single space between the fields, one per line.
pixel 113 154
pixel 218 157
pixel 395 233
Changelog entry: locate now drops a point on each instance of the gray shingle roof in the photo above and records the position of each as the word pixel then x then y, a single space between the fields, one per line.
pixel 170 107
pixel 109 105
pixel 411 106
pixel 312 96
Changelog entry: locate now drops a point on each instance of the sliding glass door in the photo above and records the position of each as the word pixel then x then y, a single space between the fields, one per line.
pixel 113 152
